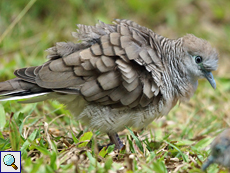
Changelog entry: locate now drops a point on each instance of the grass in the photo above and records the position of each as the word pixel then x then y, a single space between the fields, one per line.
pixel 46 133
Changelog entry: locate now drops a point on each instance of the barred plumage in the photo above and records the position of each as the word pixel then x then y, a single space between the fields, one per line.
pixel 126 75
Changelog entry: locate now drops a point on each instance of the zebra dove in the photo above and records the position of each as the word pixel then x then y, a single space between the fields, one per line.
pixel 220 150
pixel 120 74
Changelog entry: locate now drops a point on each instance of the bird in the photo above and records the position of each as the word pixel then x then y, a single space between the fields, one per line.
pixel 220 151
pixel 120 74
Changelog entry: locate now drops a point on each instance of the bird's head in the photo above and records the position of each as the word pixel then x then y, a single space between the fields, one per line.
pixel 220 150
pixel 200 59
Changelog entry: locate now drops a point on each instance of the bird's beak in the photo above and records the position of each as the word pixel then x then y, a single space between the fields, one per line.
pixel 208 162
pixel 210 78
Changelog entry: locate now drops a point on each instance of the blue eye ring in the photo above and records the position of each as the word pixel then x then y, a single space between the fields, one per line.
pixel 198 59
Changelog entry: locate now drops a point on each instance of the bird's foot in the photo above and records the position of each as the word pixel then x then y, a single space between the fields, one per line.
pixel 114 139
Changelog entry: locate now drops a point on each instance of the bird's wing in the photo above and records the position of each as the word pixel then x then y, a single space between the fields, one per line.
pixel 114 65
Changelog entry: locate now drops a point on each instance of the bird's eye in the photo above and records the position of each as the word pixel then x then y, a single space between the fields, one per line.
pixel 198 59
pixel 217 150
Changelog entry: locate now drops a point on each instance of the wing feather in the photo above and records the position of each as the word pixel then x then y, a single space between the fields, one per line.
pixel 113 65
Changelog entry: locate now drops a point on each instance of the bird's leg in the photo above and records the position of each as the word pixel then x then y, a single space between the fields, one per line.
pixel 114 139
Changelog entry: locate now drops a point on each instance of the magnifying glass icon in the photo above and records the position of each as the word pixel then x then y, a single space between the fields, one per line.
pixel 9 160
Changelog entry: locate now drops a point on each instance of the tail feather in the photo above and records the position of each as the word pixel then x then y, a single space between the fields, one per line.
pixel 27 97
pixel 16 89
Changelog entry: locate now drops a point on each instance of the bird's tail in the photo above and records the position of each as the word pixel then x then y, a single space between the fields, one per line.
pixel 18 89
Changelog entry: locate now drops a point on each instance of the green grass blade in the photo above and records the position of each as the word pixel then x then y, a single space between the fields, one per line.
pixel 2 118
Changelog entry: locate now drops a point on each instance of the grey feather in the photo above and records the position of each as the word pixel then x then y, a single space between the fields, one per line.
pixel 126 74
pixel 220 151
